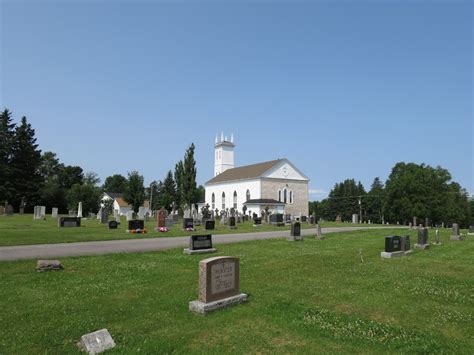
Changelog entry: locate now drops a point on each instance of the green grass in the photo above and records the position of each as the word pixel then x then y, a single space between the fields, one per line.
pixel 22 229
pixel 305 297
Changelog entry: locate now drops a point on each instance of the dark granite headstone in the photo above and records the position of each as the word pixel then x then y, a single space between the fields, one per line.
pixel 232 222
pixel 188 223
pixel 304 219
pixel 113 225
pixel 277 219
pixel 9 210
pixel 69 222
pixel 257 221
pixel 392 243
pixel 210 224
pixel 296 229
pixel 405 243
pixel 135 224
pixel 312 220
pixel 422 236
pixel 200 242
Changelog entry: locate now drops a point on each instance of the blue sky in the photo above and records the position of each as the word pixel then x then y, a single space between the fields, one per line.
pixel 343 90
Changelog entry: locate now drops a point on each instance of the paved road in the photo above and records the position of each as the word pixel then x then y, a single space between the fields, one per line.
pixel 143 245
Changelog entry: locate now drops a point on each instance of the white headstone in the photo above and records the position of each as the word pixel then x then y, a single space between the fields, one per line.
pixel 79 210
pixel 54 212
pixel 42 212
pixel 96 342
pixel 355 218
pixel 141 212
pixel 129 215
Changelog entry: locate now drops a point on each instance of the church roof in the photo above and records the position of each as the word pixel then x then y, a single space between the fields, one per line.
pixel 244 172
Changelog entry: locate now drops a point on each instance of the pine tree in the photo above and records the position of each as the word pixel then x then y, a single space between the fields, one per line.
pixel 25 163
pixel 7 132
pixel 189 190
pixel 178 178
pixel 169 191
pixel 375 201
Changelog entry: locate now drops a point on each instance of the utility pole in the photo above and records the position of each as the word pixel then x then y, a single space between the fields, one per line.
pixel 360 209
pixel 151 197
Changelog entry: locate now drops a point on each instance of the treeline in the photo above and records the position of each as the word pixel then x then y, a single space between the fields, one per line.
pixel 411 190
pixel 29 177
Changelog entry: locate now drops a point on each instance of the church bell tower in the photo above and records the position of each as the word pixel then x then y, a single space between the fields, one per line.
pixel 223 154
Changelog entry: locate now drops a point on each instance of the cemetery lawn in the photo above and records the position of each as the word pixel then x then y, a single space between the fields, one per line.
pixel 23 230
pixel 304 297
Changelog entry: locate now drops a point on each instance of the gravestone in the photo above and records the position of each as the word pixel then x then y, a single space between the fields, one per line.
pixel 40 212
pixel 355 218
pixel 438 239
pixel 339 218
pixel 312 219
pixel 160 219
pixel 113 225
pixel 96 342
pixel 422 240
pixel 427 222
pixel 304 219
pixel 257 221
pixel 141 212
pixel 471 230
pixel 456 235
pixel 116 215
pixel 188 223
pixel 169 221
pixel 129 215
pixel 2 210
pixel 200 244
pixel 295 233
pixel 136 224
pixel 48 265
pixel 79 210
pixel 54 212
pixel 65 222
pixel 104 216
pixel 9 210
pixel 288 218
pixel 319 233
pixel 219 284
pixel 232 223
pixel 414 222
pixel 405 245
pixel 276 219
pixel 22 210
pixel 210 224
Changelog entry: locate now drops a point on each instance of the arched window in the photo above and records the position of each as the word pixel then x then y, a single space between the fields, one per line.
pixel 279 195
pixel 284 195
pixel 291 196
pixel 223 201
pixel 248 195
pixel 235 199
pixel 213 200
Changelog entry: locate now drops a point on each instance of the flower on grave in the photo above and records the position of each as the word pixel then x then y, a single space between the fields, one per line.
pixel 190 229
pixel 163 229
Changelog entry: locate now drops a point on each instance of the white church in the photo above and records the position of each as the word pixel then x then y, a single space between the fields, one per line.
pixel 276 184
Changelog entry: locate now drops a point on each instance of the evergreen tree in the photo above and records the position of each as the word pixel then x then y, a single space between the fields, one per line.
pixel 25 163
pixel 178 178
pixel 169 191
pixel 115 183
pixel 344 199
pixel 7 132
pixel 188 189
pixel 134 193
pixel 70 175
pixel 375 202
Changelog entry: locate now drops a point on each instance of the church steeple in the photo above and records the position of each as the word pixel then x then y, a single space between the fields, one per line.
pixel 223 154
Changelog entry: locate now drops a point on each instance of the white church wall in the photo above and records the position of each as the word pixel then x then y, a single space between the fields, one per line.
pixel 285 170
pixel 241 187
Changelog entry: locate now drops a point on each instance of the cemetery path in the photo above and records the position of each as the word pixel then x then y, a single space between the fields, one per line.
pixel 9 253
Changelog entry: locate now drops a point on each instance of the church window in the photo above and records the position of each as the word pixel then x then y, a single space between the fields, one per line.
pixel 248 195
pixel 279 195
pixel 291 196
pixel 223 201
pixel 284 195
pixel 235 199
pixel 213 201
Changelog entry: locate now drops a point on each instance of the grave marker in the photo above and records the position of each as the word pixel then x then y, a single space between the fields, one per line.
pixel 65 222
pixel 295 233
pixel 396 246
pixel 210 224
pixel 456 235
pixel 96 342
pixel 54 212
pixel 219 284
pixel 113 225
pixel 422 240
pixel 200 244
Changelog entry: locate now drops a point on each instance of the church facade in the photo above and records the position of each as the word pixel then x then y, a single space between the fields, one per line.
pixel 277 184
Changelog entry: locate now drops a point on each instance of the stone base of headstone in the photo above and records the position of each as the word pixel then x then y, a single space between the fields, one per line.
pixel 295 238
pixel 456 237
pixel 96 342
pixel 48 265
pixel 422 246
pixel 204 308
pixel 395 254
pixel 199 251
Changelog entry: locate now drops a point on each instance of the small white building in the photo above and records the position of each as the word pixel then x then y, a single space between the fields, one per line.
pixel 120 205
pixel 277 184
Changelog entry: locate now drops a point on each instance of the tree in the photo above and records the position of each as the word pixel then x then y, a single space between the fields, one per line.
pixel 188 188
pixel 91 178
pixel 115 183
pixel 88 194
pixel 155 194
pixel 50 166
pixel 168 192
pixel 70 175
pixel 375 202
pixel 134 193
pixel 178 178
pixel 25 164
pixel 344 199
pixel 7 132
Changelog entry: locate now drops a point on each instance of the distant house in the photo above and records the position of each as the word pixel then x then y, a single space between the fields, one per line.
pixel 120 205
